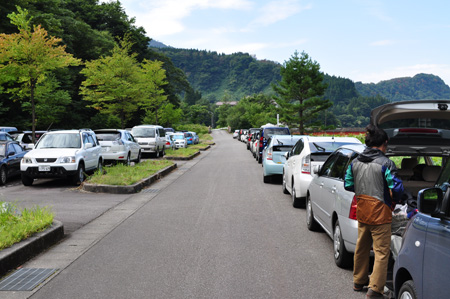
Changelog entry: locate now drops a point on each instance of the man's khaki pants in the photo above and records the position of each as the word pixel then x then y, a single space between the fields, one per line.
pixel 378 236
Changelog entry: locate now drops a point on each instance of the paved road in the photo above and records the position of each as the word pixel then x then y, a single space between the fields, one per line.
pixel 212 229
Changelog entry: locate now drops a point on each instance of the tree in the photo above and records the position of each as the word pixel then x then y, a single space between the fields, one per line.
pixel 28 58
pixel 299 91
pixel 119 85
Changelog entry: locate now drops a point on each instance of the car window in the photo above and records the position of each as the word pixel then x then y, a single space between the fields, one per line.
pixel 162 133
pixel 11 149
pixel 275 131
pixel 325 146
pixel 340 164
pixel 326 167
pixel 18 148
pixel 108 136
pixel 144 132
pixel 298 147
pixel 59 140
pixel 2 149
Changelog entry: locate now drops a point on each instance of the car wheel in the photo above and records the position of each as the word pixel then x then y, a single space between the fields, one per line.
pixel 267 178
pixel 127 162
pixel 78 177
pixel 163 152
pixel 259 159
pixel 285 191
pixel 407 290
pixel 296 201
pixel 311 223
pixel 100 166
pixel 157 153
pixel 342 257
pixel 26 180
pixel 3 175
pixel 138 159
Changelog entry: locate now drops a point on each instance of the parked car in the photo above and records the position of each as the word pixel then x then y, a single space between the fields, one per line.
pixel 251 131
pixel 422 267
pixel 180 140
pixel 8 129
pixel 170 142
pixel 118 146
pixel 273 155
pixel 243 136
pixel 236 134
pixel 26 139
pixel 151 138
pixel 254 146
pixel 189 137
pixel 62 154
pixel 266 132
pixel 10 155
pixel 195 138
pixel 308 152
pixel 5 136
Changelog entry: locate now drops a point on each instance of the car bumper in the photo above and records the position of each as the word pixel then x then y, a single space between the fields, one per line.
pixel 349 230
pixel 114 156
pixel 272 168
pixel 54 172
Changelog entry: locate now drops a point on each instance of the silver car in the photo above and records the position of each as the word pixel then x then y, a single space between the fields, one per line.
pixel 118 146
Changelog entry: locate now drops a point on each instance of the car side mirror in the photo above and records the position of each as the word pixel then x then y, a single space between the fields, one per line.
pixel 286 155
pixel 429 201
pixel 89 145
pixel 11 154
pixel 316 169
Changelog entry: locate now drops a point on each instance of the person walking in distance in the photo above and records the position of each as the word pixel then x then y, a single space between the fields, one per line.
pixel 373 178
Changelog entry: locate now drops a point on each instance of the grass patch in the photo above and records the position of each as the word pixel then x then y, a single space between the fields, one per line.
pixel 122 175
pixel 181 152
pixel 199 146
pixel 16 225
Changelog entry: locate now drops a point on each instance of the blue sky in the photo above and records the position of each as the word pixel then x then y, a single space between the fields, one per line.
pixel 363 40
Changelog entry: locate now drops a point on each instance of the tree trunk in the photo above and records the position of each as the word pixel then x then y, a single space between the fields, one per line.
pixel 33 110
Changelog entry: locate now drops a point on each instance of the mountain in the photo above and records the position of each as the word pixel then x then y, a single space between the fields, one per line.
pixel 156 44
pixel 224 77
pixel 421 86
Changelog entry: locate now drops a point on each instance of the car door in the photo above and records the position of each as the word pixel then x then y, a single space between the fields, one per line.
pixel 134 147
pixel 289 164
pixel 296 163
pixel 436 260
pixel 319 189
pixel 14 156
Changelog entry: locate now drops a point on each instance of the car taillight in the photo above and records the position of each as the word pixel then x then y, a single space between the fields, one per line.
pixel 306 164
pixel 167 143
pixel 419 130
pixel 269 154
pixel 261 140
pixel 352 214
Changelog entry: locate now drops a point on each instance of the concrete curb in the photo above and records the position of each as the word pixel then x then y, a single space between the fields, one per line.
pixel 184 158
pixel 19 253
pixel 135 188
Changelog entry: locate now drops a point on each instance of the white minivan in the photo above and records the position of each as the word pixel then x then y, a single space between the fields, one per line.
pixel 151 138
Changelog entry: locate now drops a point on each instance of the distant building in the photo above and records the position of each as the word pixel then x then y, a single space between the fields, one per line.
pixel 232 103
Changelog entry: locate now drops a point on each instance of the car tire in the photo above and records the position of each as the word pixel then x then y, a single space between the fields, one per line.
pixel 78 177
pixel 259 159
pixel 407 290
pixel 342 257
pixel 285 190
pixel 163 152
pixel 138 159
pixel 127 162
pixel 26 180
pixel 311 223
pixel 267 178
pixel 3 175
pixel 297 202
pixel 157 153
pixel 100 166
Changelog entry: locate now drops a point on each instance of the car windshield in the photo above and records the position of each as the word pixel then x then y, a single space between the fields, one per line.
pixel 59 140
pixel 178 136
pixel 276 131
pixel 323 146
pixel 108 136
pixel 143 132
pixel 2 149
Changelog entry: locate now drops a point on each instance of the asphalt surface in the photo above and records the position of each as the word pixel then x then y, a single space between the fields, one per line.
pixel 210 229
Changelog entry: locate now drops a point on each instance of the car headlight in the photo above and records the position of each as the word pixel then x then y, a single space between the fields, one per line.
pixel 26 160
pixel 70 159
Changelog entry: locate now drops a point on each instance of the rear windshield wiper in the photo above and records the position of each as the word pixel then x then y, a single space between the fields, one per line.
pixel 320 148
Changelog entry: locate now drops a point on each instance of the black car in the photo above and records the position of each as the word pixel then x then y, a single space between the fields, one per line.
pixel 11 153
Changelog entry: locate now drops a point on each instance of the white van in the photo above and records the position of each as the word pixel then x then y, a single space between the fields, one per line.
pixel 151 138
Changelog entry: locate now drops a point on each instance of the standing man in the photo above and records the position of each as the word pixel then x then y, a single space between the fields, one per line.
pixel 373 178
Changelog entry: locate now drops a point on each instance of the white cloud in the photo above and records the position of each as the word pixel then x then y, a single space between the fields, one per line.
pixel 276 11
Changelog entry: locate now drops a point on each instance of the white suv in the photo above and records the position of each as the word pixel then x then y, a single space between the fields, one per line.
pixel 152 139
pixel 62 154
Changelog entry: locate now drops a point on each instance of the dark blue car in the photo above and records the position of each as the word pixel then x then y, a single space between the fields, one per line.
pixel 422 268
pixel 266 133
pixel 11 153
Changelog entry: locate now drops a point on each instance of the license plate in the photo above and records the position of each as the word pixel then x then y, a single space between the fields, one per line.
pixel 44 168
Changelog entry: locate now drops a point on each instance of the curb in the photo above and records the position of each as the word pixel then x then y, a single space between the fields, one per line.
pixel 21 252
pixel 184 158
pixel 135 188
